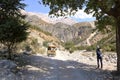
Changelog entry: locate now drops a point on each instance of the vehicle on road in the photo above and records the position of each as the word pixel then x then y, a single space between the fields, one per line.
pixel 51 50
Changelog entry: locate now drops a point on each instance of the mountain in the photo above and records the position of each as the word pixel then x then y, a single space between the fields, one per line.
pixel 66 29
pixel 49 19
pixel 64 32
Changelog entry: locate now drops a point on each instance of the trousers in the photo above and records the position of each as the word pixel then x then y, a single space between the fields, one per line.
pixel 99 62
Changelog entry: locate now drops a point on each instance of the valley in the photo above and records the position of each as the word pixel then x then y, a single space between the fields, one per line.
pixel 75 51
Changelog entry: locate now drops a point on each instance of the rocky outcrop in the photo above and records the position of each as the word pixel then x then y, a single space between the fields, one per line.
pixel 64 32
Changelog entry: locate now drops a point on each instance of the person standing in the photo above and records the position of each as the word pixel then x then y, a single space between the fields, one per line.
pixel 99 57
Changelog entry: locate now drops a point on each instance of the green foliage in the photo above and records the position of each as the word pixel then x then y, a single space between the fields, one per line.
pixel 63 6
pixel 91 48
pixel 45 43
pixel 68 45
pixel 72 49
pixel 88 48
pixel 106 20
pixel 81 47
pixel 13 30
pixel 12 27
pixel 10 8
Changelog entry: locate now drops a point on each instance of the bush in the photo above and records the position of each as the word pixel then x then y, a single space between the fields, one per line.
pixel 72 49
pixel 81 47
pixel 45 43
pixel 68 45
pixel 90 48
pixel 110 47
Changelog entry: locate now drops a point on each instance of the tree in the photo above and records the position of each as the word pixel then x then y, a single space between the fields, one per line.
pixel 107 12
pixel 13 31
pixel 13 28
pixel 10 8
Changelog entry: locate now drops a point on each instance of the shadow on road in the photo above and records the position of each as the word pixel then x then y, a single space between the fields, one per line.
pixel 45 68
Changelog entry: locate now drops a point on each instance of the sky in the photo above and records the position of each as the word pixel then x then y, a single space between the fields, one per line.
pixel 34 6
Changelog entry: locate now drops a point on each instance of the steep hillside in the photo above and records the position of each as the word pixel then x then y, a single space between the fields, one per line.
pixel 62 31
pixel 81 34
pixel 89 24
pixel 37 41
pixel 41 36
pixel 84 31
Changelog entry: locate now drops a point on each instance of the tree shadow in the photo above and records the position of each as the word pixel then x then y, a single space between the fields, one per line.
pixel 47 68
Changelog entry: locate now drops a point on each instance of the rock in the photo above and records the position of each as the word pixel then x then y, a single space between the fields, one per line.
pixel 90 58
pixel 27 52
pixel 106 58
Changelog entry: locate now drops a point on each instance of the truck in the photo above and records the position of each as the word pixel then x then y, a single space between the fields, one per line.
pixel 51 50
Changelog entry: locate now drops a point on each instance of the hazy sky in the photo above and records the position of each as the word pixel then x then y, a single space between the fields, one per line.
pixel 34 6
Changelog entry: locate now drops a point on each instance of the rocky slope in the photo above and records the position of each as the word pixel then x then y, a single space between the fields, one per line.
pixel 59 27
pixel 65 29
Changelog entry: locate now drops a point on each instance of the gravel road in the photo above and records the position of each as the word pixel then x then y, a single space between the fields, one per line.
pixel 63 66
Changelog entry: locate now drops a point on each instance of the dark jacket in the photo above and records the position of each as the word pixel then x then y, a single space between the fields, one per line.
pixel 98 52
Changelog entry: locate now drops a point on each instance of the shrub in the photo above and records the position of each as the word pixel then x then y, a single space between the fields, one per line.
pixel 81 47
pixel 90 48
pixel 68 45
pixel 45 43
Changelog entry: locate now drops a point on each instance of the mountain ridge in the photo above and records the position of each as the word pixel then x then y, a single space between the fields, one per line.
pixel 79 32
pixel 48 19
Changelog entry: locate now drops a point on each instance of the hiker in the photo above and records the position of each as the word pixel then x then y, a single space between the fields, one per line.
pixel 99 57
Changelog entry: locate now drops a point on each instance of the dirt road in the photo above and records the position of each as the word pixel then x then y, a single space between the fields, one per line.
pixel 57 68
